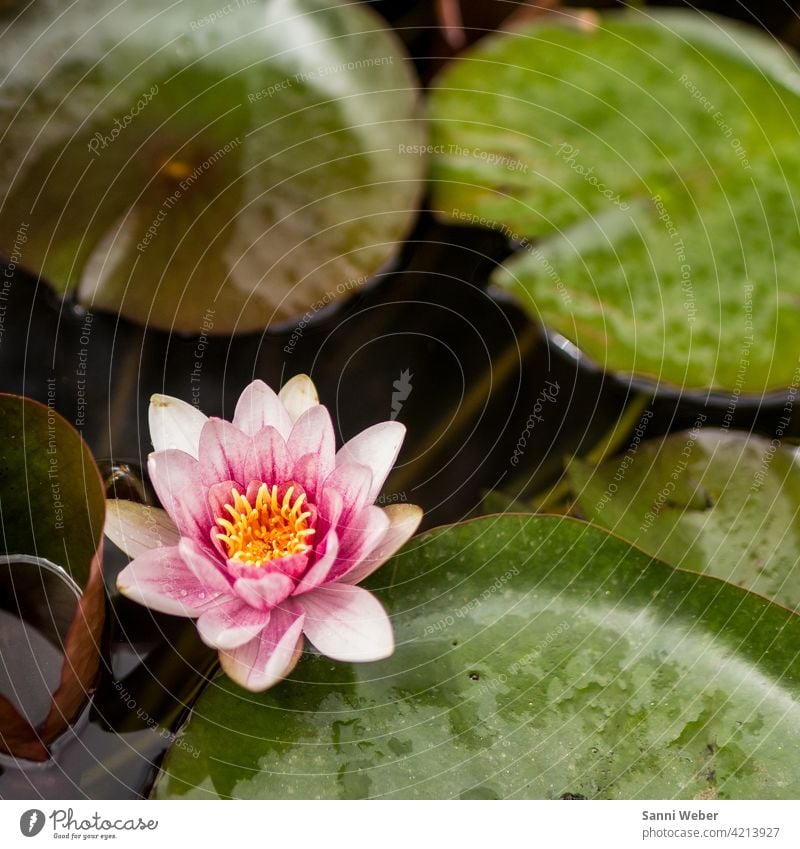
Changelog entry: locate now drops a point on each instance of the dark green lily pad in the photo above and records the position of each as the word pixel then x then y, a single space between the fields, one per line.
pixel 537 657
pixel 202 166
pixel 52 506
pixel 714 501
pixel 654 157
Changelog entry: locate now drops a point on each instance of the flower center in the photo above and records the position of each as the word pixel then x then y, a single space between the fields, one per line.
pixel 272 527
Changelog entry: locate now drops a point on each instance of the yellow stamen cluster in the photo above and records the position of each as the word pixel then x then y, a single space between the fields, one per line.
pixel 272 527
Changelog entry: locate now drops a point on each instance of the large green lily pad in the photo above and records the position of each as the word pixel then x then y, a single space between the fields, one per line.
pixel 712 501
pixel 653 160
pixel 202 166
pixel 537 657
pixel 52 506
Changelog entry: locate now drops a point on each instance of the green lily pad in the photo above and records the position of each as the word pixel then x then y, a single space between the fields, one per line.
pixel 655 159
pixel 52 506
pixel 536 657
pixel 711 501
pixel 199 166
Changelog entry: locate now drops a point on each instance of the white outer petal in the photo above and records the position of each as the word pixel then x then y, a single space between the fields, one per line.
pixel 404 520
pixel 175 424
pixel 256 669
pixel 136 528
pixel 347 623
pixel 376 448
pixel 298 395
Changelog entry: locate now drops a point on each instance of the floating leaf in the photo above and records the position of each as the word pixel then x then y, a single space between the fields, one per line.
pixel 711 501
pixel 654 157
pixel 199 167
pixel 52 508
pixel 536 657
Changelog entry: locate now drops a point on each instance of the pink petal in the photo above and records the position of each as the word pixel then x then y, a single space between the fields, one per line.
pixel 269 657
pixel 204 566
pixel 310 472
pixel 251 493
pixel 160 579
pixel 404 520
pixel 136 528
pixel 347 623
pixel 298 395
pixel 259 407
pixel 174 424
pixel 359 537
pixel 327 554
pixel 268 459
pixel 376 448
pixel 354 484
pixel 178 483
pixel 221 494
pixel 218 496
pixel 329 512
pixel 264 590
pixel 313 433
pixel 231 624
pixel 223 451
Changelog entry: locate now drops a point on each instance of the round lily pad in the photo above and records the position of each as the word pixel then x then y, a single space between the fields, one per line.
pixel 537 657
pixel 647 163
pixel 201 167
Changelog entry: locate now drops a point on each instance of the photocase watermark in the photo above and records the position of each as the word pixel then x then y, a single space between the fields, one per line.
pixel 327 298
pixel 446 621
pixel 218 14
pixel 781 428
pixel 9 271
pixel 52 457
pixel 100 141
pixel 548 395
pixel 536 652
pixel 170 737
pixel 748 341
pixel 32 822
pixel 627 460
pixel 65 825
pixel 550 271
pixel 524 243
pixel 678 469
pixel 680 254
pixel 303 77
pixel 80 370
pixel 510 163
pixel 569 153
pixel 402 390
pixel 185 184
pixel 392 498
pixel 157 528
pixel 719 119
pixel 206 327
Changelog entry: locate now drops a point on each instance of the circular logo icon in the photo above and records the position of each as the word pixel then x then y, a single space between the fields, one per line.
pixel 31 822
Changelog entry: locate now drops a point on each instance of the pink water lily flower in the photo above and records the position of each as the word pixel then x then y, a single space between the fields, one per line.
pixel 266 530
